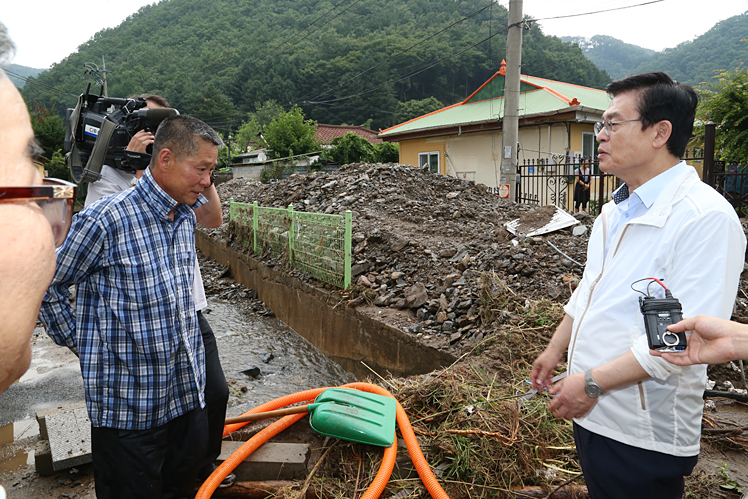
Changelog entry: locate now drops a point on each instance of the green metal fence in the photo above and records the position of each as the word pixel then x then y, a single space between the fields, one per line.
pixel 317 244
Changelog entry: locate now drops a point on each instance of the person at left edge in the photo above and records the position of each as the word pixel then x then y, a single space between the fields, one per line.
pixel 134 328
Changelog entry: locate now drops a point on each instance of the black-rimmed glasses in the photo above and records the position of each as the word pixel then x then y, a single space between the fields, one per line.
pixel 56 199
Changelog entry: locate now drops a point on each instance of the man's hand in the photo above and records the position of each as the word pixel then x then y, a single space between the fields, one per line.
pixel 570 399
pixel 712 341
pixel 140 141
pixel 543 367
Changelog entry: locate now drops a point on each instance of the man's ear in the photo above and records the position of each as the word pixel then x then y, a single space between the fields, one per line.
pixel 165 156
pixel 664 129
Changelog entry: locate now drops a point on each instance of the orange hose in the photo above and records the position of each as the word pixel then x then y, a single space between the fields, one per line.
pixel 388 461
pixel 422 466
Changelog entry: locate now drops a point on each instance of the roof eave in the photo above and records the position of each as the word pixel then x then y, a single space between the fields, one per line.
pixel 580 114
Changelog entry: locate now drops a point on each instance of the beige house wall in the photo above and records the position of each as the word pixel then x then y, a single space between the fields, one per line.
pixel 409 150
pixel 477 156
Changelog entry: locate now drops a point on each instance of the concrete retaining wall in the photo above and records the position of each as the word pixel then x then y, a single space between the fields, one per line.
pixel 343 334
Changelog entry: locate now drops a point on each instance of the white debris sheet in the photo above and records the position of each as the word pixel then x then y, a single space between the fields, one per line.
pixel 561 219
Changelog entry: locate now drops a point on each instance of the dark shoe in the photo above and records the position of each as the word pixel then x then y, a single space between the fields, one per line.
pixel 228 481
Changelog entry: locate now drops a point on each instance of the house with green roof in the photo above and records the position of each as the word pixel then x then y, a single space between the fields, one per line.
pixel 555 123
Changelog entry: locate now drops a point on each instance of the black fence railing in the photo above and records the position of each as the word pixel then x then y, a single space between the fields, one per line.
pixel 544 181
pixel 731 180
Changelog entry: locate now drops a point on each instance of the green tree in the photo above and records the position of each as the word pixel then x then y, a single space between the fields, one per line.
pixel 256 123
pixel 415 108
pixel 386 152
pixel 290 134
pixel 57 166
pixel 725 102
pixel 49 130
pixel 351 148
pixel 223 152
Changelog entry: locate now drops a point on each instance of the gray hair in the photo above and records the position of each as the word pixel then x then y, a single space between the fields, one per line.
pixel 181 135
pixel 7 49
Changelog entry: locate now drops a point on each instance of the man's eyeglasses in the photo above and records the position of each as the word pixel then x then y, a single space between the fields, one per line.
pixel 608 125
pixel 55 197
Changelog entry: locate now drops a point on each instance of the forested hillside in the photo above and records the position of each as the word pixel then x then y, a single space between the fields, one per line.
pixel 724 47
pixel 24 71
pixel 342 62
pixel 617 58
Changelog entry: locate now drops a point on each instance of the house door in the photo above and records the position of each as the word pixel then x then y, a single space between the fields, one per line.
pixel 430 159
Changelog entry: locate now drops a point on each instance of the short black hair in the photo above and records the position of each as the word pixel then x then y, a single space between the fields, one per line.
pixel 662 98
pixel 181 135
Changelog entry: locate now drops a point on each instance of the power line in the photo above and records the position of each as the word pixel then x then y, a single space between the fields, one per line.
pixel 595 12
pixel 281 50
pixel 439 61
pixel 342 85
pixel 34 82
pixel 414 73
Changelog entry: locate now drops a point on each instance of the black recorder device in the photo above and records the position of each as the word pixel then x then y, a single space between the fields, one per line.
pixel 658 314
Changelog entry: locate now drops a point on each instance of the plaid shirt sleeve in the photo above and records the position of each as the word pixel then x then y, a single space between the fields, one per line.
pixel 78 256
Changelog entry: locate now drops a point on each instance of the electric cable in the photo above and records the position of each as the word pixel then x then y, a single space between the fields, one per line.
pixel 414 73
pixel 34 82
pixel 404 51
pixel 595 12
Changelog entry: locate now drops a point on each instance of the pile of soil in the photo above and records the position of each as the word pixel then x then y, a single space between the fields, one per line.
pixel 421 243
pixel 432 256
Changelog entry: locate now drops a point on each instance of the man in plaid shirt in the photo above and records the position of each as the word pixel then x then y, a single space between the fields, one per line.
pixel 135 328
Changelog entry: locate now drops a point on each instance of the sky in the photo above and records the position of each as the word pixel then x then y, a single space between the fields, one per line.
pixel 47 31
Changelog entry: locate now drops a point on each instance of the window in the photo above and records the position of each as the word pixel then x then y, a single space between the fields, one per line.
pixel 431 159
pixel 589 149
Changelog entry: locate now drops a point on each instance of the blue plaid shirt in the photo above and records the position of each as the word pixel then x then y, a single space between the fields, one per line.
pixel 135 326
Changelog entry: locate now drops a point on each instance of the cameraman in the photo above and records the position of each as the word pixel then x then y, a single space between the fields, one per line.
pixel 113 180
pixel 208 215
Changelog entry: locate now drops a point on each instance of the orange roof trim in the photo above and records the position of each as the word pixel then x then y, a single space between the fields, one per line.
pixel 425 115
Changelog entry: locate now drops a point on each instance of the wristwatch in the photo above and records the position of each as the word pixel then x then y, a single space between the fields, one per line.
pixel 591 388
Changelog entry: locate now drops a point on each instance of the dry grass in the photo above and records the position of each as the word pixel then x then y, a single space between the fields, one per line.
pixel 477 435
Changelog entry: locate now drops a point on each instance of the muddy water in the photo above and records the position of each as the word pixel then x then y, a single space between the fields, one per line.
pixel 287 362
pixel 16 444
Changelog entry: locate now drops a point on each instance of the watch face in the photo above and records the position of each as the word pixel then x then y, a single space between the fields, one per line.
pixel 593 391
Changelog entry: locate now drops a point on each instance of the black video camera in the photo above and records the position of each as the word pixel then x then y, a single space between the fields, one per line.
pixel 99 129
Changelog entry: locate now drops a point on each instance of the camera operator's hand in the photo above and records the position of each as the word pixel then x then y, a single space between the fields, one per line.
pixel 140 141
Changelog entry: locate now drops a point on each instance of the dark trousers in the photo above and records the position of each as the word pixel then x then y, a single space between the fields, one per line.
pixel 158 463
pixel 616 470
pixel 216 397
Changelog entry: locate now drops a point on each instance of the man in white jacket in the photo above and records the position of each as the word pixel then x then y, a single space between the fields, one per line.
pixel 637 418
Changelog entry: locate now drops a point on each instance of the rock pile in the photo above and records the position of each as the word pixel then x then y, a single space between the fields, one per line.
pixel 422 241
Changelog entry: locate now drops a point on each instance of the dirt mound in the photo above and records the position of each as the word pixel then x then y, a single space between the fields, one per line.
pixel 413 227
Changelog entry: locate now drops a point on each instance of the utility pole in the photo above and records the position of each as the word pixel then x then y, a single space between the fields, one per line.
pixel 103 63
pixel 98 74
pixel 510 129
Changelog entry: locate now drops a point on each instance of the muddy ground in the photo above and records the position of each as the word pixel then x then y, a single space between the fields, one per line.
pixel 432 256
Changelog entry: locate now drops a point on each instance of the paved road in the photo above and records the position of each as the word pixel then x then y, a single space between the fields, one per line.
pixel 53 379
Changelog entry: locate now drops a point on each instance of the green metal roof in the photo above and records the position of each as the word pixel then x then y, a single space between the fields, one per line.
pixel 538 97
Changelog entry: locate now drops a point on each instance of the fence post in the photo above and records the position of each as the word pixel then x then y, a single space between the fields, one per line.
pixel 290 234
pixel 601 191
pixel 255 226
pixel 348 249
pixel 709 136
pixel 232 215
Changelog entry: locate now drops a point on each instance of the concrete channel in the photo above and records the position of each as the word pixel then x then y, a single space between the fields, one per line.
pixel 345 335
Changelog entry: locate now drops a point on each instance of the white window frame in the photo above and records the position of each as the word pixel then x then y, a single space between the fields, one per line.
pixel 428 155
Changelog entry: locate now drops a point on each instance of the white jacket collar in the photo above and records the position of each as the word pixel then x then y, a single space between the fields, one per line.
pixel 675 191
